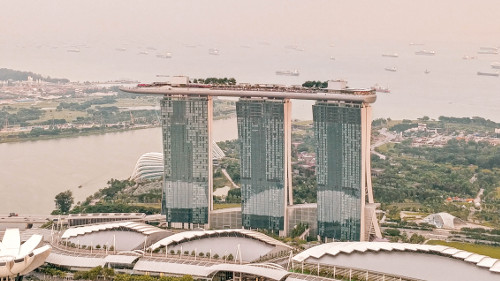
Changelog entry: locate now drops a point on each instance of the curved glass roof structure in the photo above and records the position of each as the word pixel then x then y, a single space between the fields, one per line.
pixel 142 228
pixel 404 259
pixel 444 220
pixel 197 235
pixel 150 165
pixel 17 259
pixel 246 244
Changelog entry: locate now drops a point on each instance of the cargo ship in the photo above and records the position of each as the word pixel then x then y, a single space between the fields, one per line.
pixel 496 74
pixel 425 53
pixel 393 55
pixel 288 72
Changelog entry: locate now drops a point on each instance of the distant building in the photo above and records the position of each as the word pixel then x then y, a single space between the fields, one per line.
pixel 444 220
pixel 396 261
pixel 342 133
pixel 247 245
pixel 342 120
pixel 123 236
pixel 305 214
pixel 229 218
pixel 187 148
pixel 264 133
pixel 83 219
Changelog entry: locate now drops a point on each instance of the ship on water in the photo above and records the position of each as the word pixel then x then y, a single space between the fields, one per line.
pixel 487 52
pixel 425 53
pixel 213 52
pixel 391 69
pixel 495 65
pixel 167 55
pixel 390 55
pixel 495 74
pixel 466 57
pixel 488 48
pixel 380 89
pixel 288 72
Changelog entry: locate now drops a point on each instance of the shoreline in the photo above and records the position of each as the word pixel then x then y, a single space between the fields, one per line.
pixel 63 135
pixel 73 135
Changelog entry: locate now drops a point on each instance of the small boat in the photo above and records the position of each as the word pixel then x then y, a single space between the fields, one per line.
pixel 143 53
pixel 496 74
pixel 488 48
pixel 380 89
pixel 487 52
pixel 495 65
pixel 393 55
pixel 332 58
pixel 392 69
pixel 288 72
pixel 416 44
pixel 74 50
pixel 167 55
pixel 294 47
pixel 425 53
pixel 213 51
pixel 427 71
pixel 121 49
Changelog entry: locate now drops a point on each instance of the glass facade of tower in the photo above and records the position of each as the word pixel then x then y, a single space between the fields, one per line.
pixel 337 129
pixel 262 136
pixel 186 125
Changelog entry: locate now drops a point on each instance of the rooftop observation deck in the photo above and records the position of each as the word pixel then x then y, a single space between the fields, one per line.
pixel 256 91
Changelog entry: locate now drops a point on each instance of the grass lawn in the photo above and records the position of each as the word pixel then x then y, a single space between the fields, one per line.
pixel 487 250
pixel 69 115
pixel 221 182
pixel 148 205
pixel 218 206
pixel 406 205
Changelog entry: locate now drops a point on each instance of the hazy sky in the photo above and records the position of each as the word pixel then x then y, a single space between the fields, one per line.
pixel 224 22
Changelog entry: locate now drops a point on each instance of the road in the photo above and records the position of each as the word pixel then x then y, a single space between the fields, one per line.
pixel 388 137
pixel 224 172
pixel 477 203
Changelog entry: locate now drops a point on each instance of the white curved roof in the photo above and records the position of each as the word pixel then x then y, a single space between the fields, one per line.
pixel 16 258
pixel 442 220
pixel 189 235
pixel 150 165
pixel 147 265
pixel 267 272
pixel 145 229
pixel 75 261
pixel 335 248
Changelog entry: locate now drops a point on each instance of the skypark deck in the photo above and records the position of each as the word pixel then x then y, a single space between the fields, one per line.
pixel 256 91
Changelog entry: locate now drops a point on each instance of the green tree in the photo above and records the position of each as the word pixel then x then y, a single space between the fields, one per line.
pixel 63 201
